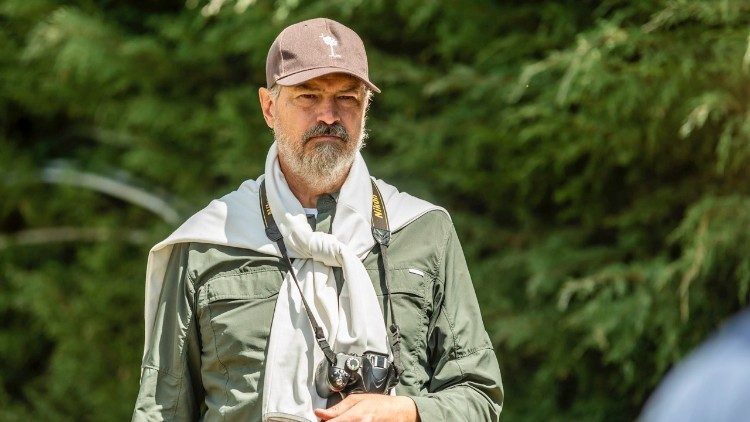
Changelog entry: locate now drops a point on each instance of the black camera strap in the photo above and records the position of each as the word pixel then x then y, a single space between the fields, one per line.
pixel 382 235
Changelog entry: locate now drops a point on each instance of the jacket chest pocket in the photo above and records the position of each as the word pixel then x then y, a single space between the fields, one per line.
pixel 410 305
pixel 235 313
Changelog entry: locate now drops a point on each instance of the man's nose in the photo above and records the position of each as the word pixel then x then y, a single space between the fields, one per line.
pixel 328 111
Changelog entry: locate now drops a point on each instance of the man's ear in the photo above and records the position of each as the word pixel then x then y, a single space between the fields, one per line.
pixel 266 105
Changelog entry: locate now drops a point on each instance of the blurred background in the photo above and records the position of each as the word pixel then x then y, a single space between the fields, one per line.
pixel 593 154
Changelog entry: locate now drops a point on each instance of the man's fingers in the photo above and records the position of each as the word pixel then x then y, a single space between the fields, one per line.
pixel 340 408
pixel 353 413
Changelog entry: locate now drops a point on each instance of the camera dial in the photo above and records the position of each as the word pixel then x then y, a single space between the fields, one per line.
pixel 352 363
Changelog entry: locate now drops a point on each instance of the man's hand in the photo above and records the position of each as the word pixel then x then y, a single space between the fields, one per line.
pixel 371 408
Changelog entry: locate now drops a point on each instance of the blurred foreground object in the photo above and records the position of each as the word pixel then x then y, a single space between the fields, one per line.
pixel 712 384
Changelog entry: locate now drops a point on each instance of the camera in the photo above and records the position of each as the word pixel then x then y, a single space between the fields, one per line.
pixel 349 374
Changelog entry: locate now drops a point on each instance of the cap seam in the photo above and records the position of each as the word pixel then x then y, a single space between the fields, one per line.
pixel 281 49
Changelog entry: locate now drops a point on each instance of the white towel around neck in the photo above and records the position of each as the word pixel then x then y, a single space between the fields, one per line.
pixel 353 320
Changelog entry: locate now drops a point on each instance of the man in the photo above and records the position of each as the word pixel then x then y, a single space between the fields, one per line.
pixel 252 300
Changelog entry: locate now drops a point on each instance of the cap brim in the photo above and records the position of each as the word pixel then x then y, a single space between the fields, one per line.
pixel 306 75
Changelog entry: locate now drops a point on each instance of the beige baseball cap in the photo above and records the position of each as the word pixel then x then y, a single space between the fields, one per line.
pixel 313 48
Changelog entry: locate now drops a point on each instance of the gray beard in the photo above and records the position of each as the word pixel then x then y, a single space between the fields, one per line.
pixel 322 167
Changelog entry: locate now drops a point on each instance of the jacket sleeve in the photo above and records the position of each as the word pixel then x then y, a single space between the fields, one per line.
pixel 170 387
pixel 466 384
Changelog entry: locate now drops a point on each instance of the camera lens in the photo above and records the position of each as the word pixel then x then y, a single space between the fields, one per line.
pixel 330 379
pixel 338 379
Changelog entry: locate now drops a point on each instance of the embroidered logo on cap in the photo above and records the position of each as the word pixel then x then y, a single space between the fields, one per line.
pixel 331 42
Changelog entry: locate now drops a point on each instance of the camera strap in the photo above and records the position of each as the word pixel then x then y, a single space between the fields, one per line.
pixel 382 235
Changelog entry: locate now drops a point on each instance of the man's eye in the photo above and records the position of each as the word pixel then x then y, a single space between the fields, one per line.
pixel 307 96
pixel 348 98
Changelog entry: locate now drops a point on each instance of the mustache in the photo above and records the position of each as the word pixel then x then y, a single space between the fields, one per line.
pixel 324 129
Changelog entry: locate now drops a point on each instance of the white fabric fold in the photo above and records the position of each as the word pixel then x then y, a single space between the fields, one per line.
pixel 353 320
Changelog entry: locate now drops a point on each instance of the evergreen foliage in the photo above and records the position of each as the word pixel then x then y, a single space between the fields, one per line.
pixel 593 156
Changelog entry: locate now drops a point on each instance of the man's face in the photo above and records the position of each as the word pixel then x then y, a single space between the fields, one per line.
pixel 318 126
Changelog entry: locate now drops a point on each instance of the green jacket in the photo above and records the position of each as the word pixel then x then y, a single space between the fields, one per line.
pixel 214 320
